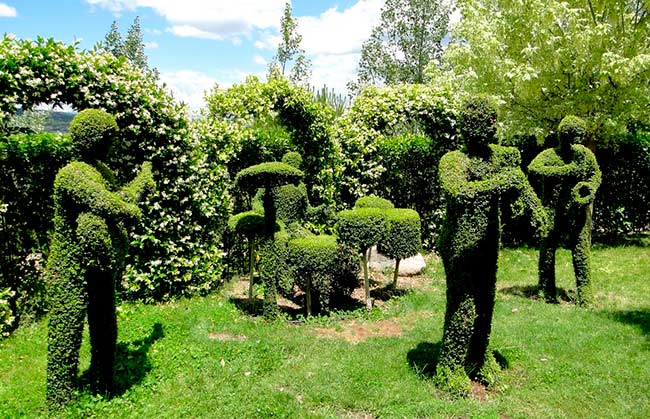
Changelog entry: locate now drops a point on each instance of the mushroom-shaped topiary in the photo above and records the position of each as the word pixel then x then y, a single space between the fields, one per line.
pixel 372 201
pixel 269 176
pixel 403 237
pixel 248 224
pixel 362 228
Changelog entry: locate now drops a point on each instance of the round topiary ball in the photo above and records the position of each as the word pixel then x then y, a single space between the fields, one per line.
pixel 292 158
pixel 92 132
pixel 403 238
pixel 372 201
pixel 361 228
pixel 571 130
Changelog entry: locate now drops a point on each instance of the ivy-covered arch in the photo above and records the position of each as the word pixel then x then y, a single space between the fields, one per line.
pixel 152 127
pixel 308 122
pixel 379 112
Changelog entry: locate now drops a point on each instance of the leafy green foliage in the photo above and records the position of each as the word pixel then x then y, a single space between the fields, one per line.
pixel 408 36
pixel 381 113
pixel 543 60
pixel 92 132
pixel 569 177
pixel 247 223
pixel 372 201
pixel 361 228
pixel 293 158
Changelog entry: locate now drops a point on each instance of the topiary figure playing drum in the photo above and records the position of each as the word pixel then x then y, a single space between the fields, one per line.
pixel 86 255
pixel 570 177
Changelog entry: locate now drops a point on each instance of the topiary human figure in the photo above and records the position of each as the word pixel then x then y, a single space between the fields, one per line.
pixel 403 236
pixel 474 182
pixel 270 176
pixel 570 177
pixel 86 253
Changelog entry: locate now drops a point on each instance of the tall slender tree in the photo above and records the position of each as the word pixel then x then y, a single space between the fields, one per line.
pixel 408 36
pixel 290 52
pixel 134 46
pixel 113 40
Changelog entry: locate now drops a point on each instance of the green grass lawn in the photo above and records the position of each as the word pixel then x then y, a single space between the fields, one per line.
pixel 204 358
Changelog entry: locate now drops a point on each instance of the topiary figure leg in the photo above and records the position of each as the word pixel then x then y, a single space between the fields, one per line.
pixel 581 255
pixel 459 326
pixel 67 305
pixel 546 266
pixel 95 237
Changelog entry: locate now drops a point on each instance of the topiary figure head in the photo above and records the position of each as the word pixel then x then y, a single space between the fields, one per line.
pixel 292 158
pixel 92 132
pixel 372 201
pixel 478 122
pixel 571 131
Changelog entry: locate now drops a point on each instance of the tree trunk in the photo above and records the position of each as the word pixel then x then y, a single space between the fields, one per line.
pixel 308 295
pixel 251 266
pixel 366 280
pixel 396 274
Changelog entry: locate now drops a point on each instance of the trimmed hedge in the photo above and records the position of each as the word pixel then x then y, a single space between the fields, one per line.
pixel 372 201
pixel 402 239
pixel 324 269
pixel 570 177
pixel 267 175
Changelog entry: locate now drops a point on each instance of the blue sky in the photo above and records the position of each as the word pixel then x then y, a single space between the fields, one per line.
pixel 196 43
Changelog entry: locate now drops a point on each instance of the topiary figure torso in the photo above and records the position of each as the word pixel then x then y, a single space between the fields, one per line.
pixel 474 181
pixel 86 253
pixel 569 176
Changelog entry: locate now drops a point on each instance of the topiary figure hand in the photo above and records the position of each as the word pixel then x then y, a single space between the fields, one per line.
pixel 583 193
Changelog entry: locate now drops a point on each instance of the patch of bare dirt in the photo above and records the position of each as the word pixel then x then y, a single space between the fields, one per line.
pixel 479 391
pixel 355 331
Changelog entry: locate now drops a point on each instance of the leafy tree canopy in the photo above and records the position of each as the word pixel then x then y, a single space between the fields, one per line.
pixel 409 36
pixel 545 59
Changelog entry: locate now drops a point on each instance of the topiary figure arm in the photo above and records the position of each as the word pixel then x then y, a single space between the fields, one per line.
pixel 454 178
pixel 142 185
pixel 549 164
pixel 82 185
pixel 584 192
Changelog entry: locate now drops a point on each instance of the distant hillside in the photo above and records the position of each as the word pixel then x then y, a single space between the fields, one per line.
pixel 58 121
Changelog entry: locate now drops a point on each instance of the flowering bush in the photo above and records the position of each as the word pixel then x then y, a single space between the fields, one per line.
pixel 175 247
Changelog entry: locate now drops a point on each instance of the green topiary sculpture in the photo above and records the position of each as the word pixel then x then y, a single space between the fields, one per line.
pixel 372 201
pixel 86 254
pixel 569 176
pixel 362 228
pixel 269 176
pixel 248 224
pixel 474 182
pixel 403 237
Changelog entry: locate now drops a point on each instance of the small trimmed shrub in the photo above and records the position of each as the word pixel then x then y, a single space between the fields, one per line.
pixel 267 175
pixel 293 158
pixel 372 201
pixel 402 239
pixel 249 225
pixel 570 177
pixel 361 229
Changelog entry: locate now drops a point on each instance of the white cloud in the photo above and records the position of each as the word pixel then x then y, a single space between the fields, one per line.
pixel 156 32
pixel 340 32
pixel 268 41
pixel 189 86
pixel 151 45
pixel 188 31
pixel 7 11
pixel 220 19
pixel 334 70
pixel 259 60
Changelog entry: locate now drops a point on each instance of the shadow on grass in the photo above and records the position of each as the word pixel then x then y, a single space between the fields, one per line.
pixel 132 362
pixel 387 292
pixel 638 318
pixel 424 358
pixel 255 307
pixel 532 292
